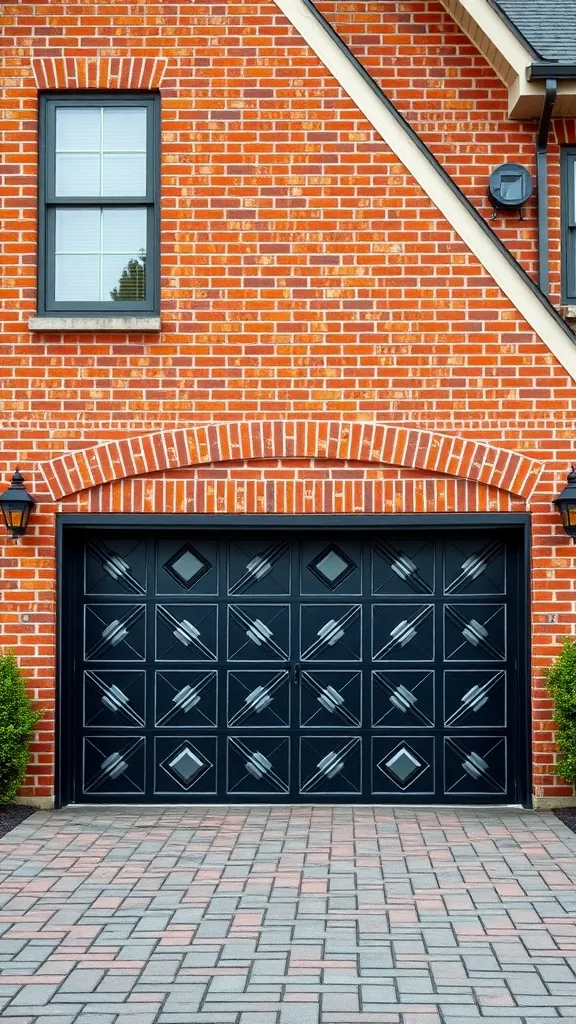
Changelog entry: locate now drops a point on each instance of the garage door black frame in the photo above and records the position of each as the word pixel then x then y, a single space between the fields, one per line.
pixel 70 524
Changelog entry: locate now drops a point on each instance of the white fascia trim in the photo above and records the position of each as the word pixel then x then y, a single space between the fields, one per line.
pixel 509 57
pixel 504 273
pixel 483 15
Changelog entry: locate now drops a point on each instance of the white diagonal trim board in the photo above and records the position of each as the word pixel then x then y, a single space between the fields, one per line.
pixel 504 273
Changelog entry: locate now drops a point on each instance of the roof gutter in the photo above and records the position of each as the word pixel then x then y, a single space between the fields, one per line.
pixel 539 72
pixel 542 179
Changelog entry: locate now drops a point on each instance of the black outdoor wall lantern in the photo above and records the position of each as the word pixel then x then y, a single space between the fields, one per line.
pixel 566 504
pixel 16 504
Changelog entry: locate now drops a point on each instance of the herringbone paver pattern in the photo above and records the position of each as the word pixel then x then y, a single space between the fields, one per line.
pixel 288 916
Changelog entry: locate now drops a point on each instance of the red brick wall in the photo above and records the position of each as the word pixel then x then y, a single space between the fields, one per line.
pixel 305 276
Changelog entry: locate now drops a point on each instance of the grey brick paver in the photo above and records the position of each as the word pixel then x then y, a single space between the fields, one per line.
pixel 35 995
pixel 196 1018
pixel 341 1001
pixel 80 980
pixel 96 1018
pixel 310 915
pixel 300 1013
pixel 258 1018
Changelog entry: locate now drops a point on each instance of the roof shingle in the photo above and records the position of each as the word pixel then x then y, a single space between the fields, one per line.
pixel 549 26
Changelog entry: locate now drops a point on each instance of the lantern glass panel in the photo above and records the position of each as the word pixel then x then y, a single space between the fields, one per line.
pixel 16 517
pixel 568 513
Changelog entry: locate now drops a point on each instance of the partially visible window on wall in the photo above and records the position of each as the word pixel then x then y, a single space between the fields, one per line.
pixel 569 226
pixel 99 204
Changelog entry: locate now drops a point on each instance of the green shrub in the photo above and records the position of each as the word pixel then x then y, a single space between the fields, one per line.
pixel 18 719
pixel 561 682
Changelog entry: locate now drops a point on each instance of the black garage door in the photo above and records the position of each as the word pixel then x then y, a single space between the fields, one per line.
pixel 305 667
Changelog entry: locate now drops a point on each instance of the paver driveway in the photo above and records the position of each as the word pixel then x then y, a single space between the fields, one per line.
pixel 287 916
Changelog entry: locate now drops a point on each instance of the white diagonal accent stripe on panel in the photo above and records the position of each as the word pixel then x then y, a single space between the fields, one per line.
pixel 259 632
pixel 187 698
pixel 258 765
pixel 186 633
pixel 330 699
pixel 115 699
pixel 330 765
pixel 259 699
pixel 475 765
pixel 332 631
pixel 114 765
pixel 403 567
pixel 474 632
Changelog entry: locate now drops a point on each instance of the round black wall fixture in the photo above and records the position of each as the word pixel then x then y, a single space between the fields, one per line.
pixel 510 187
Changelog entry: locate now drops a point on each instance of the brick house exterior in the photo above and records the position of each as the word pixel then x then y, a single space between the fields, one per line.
pixel 330 344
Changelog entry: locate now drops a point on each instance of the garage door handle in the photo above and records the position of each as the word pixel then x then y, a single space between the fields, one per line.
pixel 295 673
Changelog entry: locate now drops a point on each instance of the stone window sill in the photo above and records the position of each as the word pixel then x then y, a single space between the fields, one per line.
pixel 118 324
pixel 568 312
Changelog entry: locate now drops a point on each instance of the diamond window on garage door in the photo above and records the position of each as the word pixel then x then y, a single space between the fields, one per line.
pixel 332 567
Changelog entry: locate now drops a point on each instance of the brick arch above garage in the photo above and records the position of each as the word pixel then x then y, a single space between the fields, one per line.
pixel 380 444
pixel 292 487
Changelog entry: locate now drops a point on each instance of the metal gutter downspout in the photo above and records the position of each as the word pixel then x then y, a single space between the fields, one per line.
pixel 542 180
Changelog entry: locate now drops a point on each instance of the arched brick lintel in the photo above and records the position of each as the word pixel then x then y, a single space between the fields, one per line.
pixel 229 442
pixel 98 72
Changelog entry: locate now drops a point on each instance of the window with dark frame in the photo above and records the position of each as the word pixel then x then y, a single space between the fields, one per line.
pixel 568 171
pixel 99 157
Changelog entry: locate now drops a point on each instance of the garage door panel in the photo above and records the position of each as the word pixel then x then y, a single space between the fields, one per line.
pixel 114 766
pixel 330 766
pixel 404 767
pixel 403 632
pixel 115 632
pixel 259 632
pixel 475 765
pixel 470 568
pixel 185 765
pixel 475 632
pixel 185 699
pixel 305 667
pixel 330 632
pixel 475 699
pixel 114 699
pixel 258 699
pixel 187 568
pixel 334 568
pixel 186 632
pixel 403 567
pixel 403 699
pixel 117 566
pixel 259 569
pixel 258 765
pixel 330 698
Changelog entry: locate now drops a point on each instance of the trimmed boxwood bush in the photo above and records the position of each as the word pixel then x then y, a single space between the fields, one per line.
pixel 561 682
pixel 18 719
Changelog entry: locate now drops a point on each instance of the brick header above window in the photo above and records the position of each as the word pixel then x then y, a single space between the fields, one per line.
pixel 99 72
